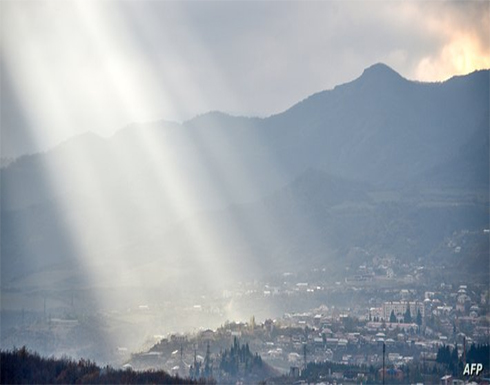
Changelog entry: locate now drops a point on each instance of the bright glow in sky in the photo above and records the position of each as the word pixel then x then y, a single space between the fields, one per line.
pixel 107 64
pixel 465 40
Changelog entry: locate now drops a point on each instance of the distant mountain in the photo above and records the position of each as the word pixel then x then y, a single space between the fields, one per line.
pixel 310 176
pixel 385 129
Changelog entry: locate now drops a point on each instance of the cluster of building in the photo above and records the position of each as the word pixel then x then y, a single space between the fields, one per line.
pixel 411 323
pixel 382 302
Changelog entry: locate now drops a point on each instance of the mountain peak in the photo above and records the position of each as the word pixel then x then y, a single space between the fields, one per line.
pixel 380 71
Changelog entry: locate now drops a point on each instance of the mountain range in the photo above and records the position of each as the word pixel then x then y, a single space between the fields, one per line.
pixel 382 163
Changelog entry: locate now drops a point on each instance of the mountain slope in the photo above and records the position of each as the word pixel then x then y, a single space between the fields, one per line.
pixel 319 220
pixel 111 199
pixel 382 128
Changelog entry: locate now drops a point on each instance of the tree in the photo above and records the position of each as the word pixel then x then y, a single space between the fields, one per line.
pixel 407 318
pixel 444 355
pixel 419 318
pixel 392 317
pixel 208 369
pixel 238 361
pixel 453 365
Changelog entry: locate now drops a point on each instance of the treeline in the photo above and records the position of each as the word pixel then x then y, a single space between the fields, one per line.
pixel 409 373
pixel 451 359
pixel 239 360
pixel 478 354
pixel 21 366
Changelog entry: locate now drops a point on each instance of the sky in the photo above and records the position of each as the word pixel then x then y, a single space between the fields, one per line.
pixel 68 67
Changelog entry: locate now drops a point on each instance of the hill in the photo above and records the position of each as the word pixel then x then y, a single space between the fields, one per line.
pixel 22 367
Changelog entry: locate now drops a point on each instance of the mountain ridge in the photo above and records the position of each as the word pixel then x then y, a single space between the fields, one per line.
pixel 376 72
pixel 402 137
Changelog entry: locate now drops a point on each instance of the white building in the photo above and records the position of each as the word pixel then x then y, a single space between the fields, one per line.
pixel 400 308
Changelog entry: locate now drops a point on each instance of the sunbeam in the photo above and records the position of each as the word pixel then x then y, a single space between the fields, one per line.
pixel 164 171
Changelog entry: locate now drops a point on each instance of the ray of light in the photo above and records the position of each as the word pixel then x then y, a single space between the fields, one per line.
pixel 125 84
pixel 170 179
